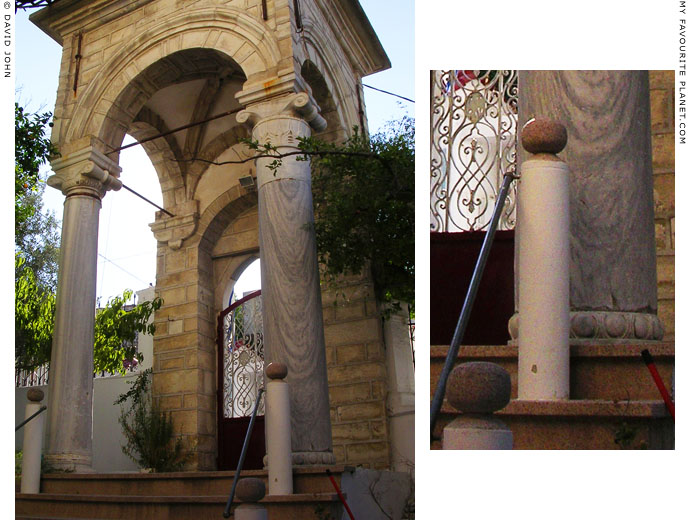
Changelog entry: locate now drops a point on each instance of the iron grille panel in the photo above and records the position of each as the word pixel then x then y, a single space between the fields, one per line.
pixel 473 145
pixel 243 359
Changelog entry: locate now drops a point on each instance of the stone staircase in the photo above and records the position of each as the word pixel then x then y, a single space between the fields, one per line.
pixel 612 395
pixel 172 496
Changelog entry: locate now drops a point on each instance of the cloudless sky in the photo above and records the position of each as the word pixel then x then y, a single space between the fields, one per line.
pixel 126 245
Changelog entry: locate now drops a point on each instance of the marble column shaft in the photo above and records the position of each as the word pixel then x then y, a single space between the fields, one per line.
pixel 292 315
pixel 613 288
pixel 82 178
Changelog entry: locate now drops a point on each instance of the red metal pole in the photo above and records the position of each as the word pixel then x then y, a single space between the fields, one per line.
pixel 649 361
pixel 340 495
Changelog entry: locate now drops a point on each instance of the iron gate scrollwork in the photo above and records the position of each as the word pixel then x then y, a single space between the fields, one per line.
pixel 473 131
pixel 243 357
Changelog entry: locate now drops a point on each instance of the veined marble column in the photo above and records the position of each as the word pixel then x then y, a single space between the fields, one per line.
pixel 613 287
pixel 293 321
pixel 83 177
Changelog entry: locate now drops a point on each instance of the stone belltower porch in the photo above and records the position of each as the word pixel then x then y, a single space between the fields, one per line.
pixel 278 70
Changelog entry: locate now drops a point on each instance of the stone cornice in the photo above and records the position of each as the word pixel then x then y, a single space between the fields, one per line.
pixel 355 34
pixel 67 16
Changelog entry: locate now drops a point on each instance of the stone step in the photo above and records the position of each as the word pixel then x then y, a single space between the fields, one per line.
pixel 312 479
pixel 138 507
pixel 609 372
pixel 580 424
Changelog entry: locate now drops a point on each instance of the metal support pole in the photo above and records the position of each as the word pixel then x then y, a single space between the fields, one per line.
pixel 469 299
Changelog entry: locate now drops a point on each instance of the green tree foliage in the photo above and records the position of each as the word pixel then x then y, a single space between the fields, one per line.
pixel 37 240
pixel 32 150
pixel 116 329
pixel 33 318
pixel 36 261
pixel 364 205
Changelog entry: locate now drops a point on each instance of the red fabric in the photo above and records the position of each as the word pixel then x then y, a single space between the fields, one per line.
pixel 453 258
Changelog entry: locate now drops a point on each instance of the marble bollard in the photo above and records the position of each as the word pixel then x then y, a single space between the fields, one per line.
pixel 250 491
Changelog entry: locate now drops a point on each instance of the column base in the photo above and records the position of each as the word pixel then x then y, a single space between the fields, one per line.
pixel 471 432
pixel 587 327
pixel 313 458
pixel 69 462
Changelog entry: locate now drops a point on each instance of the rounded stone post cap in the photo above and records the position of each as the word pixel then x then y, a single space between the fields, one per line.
pixel 276 370
pixel 250 489
pixel 478 387
pixel 35 395
pixel 544 136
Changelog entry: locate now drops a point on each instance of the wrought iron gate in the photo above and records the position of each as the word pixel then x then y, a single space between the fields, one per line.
pixel 473 130
pixel 240 375
pixel 473 145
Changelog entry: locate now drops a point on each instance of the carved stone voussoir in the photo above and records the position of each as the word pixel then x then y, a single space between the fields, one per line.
pixel 87 170
pixel 609 327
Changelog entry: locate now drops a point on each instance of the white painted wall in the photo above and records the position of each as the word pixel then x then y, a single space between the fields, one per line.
pixel 107 432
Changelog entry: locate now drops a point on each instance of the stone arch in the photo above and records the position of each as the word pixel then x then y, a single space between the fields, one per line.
pixel 324 60
pixel 230 277
pixel 335 130
pixel 228 31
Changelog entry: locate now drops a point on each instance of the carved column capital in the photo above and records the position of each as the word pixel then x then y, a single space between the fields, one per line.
pixel 301 106
pixel 85 172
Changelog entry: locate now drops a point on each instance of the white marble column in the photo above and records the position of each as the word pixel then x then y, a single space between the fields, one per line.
pixel 613 287
pixel 83 177
pixel 293 321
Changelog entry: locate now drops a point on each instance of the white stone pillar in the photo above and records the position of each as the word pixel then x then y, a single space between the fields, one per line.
pixel 293 321
pixel 478 389
pixel 83 177
pixel 33 443
pixel 400 401
pixel 250 491
pixel 543 265
pixel 278 447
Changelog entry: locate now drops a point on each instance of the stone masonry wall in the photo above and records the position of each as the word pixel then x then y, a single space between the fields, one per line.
pixel 661 84
pixel 356 374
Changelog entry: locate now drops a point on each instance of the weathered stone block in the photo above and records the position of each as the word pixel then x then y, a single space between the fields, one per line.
pixel 360 411
pixel 174 382
pixel 174 296
pixel 184 421
pixel 661 102
pixel 172 363
pixel 665 268
pixel 350 374
pixel 350 354
pixel 351 432
pixel 348 312
pixel 170 402
pixel 366 452
pixel 341 394
pixel 375 351
pixel 175 326
pixel 360 331
pixel 663 152
pixel 175 261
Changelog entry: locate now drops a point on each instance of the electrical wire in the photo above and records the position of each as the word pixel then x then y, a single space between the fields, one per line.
pixel 389 93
